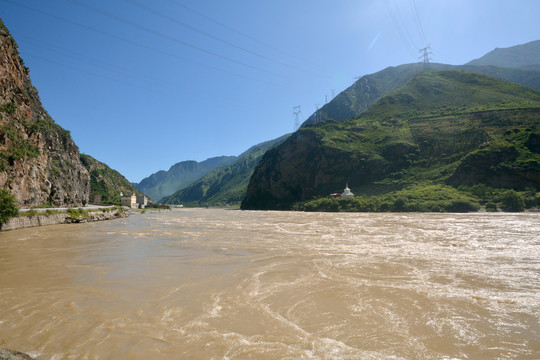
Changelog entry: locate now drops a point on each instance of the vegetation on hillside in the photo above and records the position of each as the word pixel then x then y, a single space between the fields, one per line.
pixel 106 182
pixel 8 206
pixel 430 198
pixel 442 129
pixel 179 176
pixel 367 90
pixel 226 184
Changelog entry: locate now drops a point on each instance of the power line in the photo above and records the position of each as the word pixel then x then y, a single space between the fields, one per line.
pixel 204 33
pixel 173 39
pixel 222 102
pixel 418 21
pixel 247 36
pixel 443 56
pixel 116 37
pixel 399 27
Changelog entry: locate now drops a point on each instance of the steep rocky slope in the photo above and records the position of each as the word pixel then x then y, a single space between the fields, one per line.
pixel 39 162
pixel 447 127
pixel 105 181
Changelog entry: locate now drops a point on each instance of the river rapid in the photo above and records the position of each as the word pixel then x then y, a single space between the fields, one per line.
pixel 229 284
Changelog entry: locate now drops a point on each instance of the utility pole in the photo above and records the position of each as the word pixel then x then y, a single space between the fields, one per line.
pixel 425 56
pixel 296 112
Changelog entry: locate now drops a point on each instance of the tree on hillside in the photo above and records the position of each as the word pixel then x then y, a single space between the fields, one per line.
pixel 8 206
pixel 512 201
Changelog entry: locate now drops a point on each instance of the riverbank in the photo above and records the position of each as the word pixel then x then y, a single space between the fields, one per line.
pixel 6 354
pixel 69 216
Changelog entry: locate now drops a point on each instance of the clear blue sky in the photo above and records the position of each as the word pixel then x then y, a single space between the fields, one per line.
pixel 144 84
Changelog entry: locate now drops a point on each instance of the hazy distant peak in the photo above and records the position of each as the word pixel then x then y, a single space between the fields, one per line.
pixel 518 56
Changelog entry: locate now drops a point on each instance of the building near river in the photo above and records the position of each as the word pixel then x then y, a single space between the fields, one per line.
pixel 134 201
pixel 142 201
pixel 130 201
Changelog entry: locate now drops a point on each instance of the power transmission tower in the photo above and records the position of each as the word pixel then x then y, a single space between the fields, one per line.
pixel 296 112
pixel 317 112
pixel 333 93
pixel 426 52
pixel 325 99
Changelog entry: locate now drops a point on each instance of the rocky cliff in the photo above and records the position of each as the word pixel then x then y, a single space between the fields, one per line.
pixel 39 162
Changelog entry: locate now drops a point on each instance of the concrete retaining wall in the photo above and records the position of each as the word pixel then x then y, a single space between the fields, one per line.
pixel 22 222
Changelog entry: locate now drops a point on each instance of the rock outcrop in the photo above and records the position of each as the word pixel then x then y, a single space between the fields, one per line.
pixel 6 354
pixel 39 162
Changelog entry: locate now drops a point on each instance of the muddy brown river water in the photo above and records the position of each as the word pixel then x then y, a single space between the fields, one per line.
pixel 228 284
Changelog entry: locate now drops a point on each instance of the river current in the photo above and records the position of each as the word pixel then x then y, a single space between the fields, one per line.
pixel 229 284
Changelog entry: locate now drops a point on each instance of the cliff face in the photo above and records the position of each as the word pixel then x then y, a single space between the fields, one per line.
pixel 39 162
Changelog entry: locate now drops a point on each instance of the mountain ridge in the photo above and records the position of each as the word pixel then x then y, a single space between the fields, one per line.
pixel 226 184
pixel 179 175
pixel 518 56
pixel 413 130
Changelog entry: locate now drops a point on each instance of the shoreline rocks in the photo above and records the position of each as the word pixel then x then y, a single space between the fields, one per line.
pixel 6 354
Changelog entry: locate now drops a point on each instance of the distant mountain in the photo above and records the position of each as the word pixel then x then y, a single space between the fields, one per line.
pixel 442 127
pixel 223 184
pixel 226 184
pixel 180 175
pixel 361 95
pixel 105 181
pixel 526 56
pixel 370 88
pixel 39 162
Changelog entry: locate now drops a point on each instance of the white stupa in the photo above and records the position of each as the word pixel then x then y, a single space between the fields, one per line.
pixel 347 192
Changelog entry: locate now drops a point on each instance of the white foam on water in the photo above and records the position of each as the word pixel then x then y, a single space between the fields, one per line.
pixel 216 308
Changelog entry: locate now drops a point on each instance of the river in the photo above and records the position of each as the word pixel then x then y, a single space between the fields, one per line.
pixel 229 284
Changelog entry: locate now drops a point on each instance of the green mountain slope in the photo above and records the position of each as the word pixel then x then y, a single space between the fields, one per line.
pixel 370 88
pixel 366 91
pixel 442 127
pixel 105 181
pixel 180 175
pixel 216 188
pixel 227 184
pixel 519 56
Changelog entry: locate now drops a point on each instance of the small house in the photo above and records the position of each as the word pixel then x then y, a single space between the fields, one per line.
pixel 130 201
